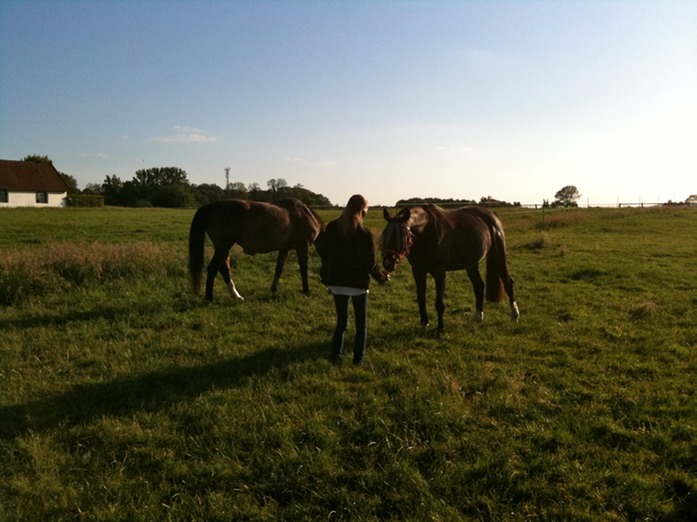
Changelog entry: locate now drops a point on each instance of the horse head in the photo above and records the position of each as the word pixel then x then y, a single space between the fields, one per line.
pixel 396 239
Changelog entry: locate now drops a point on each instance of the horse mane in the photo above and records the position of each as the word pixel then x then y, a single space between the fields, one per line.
pixel 419 217
pixel 298 210
pixel 318 219
pixel 432 217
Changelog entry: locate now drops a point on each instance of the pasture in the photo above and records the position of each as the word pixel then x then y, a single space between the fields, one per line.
pixel 124 397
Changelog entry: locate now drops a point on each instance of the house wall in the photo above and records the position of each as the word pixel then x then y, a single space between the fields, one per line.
pixel 28 199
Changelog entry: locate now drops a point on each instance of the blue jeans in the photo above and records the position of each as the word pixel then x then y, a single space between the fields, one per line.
pixel 360 310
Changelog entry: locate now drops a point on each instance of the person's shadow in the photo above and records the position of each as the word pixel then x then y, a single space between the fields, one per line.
pixel 147 392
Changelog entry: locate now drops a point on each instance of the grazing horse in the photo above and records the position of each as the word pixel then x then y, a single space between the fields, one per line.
pixel 437 241
pixel 258 228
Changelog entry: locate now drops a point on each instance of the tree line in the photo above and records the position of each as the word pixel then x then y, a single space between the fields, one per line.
pixel 485 201
pixel 565 197
pixel 169 187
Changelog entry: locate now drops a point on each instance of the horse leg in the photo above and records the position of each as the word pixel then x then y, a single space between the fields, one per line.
pixel 216 264
pixel 282 256
pixel 509 286
pixel 440 294
pixel 420 280
pixel 478 287
pixel 303 254
pixel 225 272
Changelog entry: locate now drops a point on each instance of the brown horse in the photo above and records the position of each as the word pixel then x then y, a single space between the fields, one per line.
pixel 435 242
pixel 258 228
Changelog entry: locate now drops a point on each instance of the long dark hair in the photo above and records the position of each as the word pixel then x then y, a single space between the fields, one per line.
pixel 351 218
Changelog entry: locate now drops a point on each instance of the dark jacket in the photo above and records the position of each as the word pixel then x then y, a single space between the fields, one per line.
pixel 347 261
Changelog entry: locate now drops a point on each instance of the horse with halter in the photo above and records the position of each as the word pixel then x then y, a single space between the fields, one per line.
pixel 437 241
pixel 258 228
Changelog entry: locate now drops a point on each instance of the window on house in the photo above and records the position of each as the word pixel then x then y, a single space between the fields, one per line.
pixel 42 197
pixel 4 197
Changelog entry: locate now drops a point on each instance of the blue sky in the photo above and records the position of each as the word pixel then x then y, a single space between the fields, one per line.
pixel 390 99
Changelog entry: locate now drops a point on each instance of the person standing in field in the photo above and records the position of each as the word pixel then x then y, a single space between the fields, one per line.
pixel 348 261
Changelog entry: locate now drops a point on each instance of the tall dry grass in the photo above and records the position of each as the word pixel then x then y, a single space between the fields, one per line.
pixel 563 218
pixel 32 272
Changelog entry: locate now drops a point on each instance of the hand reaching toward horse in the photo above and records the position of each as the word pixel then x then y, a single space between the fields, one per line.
pixel 379 275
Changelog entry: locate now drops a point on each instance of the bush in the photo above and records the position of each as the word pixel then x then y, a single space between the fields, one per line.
pixel 85 200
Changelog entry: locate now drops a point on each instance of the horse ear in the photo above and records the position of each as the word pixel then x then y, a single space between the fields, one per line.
pixel 404 215
pixel 386 214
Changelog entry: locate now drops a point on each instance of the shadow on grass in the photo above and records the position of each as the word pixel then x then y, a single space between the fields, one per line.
pixel 60 319
pixel 148 392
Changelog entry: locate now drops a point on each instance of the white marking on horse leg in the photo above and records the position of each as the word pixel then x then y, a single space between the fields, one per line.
pixel 479 316
pixel 423 329
pixel 515 313
pixel 233 291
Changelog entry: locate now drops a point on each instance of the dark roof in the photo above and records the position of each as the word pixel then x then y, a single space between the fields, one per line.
pixel 27 175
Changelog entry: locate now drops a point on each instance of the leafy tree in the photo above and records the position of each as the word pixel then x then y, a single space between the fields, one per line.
pixel 118 193
pixel 163 187
pixel 159 176
pixel 567 196
pixel 173 195
pixel 307 196
pixel 92 188
pixel 277 187
pixel 71 182
pixel 237 190
pixel 111 188
pixel 36 158
pixel 130 195
pixel 254 191
pixel 208 193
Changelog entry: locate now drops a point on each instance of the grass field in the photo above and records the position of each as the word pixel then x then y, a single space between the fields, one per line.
pixel 124 397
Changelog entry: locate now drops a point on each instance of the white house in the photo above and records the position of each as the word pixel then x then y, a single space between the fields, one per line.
pixel 29 184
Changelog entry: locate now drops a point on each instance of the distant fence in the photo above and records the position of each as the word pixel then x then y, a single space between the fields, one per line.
pixel 531 206
pixel 541 205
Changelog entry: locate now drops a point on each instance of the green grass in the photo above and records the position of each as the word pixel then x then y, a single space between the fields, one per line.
pixel 123 397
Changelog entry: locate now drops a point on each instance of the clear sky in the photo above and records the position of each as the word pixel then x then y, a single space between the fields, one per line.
pixel 509 99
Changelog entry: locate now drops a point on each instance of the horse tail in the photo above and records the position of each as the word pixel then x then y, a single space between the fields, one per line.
pixel 197 237
pixel 496 265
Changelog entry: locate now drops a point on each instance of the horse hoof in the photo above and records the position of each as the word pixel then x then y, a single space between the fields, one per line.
pixel 515 313
pixel 479 317
pixel 423 329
